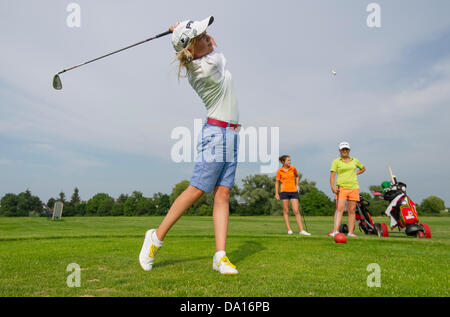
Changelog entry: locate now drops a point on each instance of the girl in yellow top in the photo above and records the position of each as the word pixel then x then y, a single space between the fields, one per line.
pixel 347 190
pixel 289 178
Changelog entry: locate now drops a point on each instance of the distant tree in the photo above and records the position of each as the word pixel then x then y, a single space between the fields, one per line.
pixel 117 209
pixel 432 204
pixel 277 207
pixel 75 199
pixel 69 210
pixel 122 198
pixel 62 197
pixel 375 188
pixel 27 203
pixel 80 209
pixel 366 196
pixel 257 192
pixel 51 203
pixel 204 210
pixel 105 207
pixel 162 203
pixel 377 206
pixel 21 205
pixel 8 205
pixel 317 203
pixel 130 207
pixel 145 206
pixel 24 203
pixel 234 199
pixel 305 186
pixel 101 205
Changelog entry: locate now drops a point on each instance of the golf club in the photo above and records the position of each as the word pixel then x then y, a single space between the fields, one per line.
pixel 57 81
pixel 337 203
pixel 393 178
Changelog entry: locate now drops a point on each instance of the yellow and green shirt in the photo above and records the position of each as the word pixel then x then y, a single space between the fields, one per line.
pixel 346 172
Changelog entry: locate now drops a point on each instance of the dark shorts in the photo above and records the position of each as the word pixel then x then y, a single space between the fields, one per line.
pixel 288 195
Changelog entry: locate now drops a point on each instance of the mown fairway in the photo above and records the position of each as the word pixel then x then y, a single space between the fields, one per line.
pixel 35 252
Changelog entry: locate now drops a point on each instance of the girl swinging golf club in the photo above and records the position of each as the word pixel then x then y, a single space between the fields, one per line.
pixel 289 178
pixel 347 168
pixel 216 161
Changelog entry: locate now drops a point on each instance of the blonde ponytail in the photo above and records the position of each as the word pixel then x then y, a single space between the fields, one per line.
pixel 186 56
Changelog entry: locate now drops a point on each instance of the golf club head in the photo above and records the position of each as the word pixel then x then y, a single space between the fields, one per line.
pixel 57 82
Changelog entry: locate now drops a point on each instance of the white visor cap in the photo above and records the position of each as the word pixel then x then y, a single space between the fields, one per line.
pixel 344 145
pixel 187 30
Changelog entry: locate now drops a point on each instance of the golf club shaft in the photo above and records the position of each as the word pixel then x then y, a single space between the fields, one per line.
pixel 337 204
pixel 122 49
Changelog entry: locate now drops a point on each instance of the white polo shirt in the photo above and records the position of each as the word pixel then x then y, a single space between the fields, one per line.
pixel 213 83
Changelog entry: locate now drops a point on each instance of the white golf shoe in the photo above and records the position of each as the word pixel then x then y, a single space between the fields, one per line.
pixel 303 232
pixel 148 251
pixel 290 232
pixel 224 266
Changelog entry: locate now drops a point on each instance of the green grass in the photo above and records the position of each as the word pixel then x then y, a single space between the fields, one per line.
pixel 35 252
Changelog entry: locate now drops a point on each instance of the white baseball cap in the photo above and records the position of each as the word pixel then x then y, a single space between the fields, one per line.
pixel 187 30
pixel 344 145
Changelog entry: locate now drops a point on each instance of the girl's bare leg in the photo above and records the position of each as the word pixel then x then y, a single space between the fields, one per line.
pixel 179 206
pixel 285 203
pixel 339 213
pixel 220 216
pixel 298 217
pixel 351 215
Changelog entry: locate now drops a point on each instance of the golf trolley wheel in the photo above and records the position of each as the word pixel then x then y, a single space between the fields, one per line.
pixel 412 229
pixel 420 234
pixel 382 230
pixel 379 230
pixel 385 229
pixel 343 228
pixel 427 230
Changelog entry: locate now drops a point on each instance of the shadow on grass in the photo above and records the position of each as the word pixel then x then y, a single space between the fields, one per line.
pixel 174 262
pixel 247 249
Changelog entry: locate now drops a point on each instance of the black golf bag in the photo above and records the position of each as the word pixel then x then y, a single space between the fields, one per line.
pixel 364 219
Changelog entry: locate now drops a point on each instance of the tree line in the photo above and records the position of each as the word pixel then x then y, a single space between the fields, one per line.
pixel 256 197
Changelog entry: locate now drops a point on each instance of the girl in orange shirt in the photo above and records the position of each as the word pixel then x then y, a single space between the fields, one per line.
pixel 289 178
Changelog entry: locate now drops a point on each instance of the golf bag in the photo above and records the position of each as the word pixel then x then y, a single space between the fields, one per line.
pixel 403 213
pixel 365 222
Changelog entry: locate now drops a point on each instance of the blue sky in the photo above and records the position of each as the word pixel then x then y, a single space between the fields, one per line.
pixel 109 129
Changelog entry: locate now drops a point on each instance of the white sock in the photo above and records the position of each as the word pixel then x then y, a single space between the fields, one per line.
pixel 219 255
pixel 156 240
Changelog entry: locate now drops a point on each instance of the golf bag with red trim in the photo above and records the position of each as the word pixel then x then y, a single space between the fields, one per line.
pixel 403 212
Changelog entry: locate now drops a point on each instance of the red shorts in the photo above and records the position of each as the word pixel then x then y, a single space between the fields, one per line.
pixel 348 194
